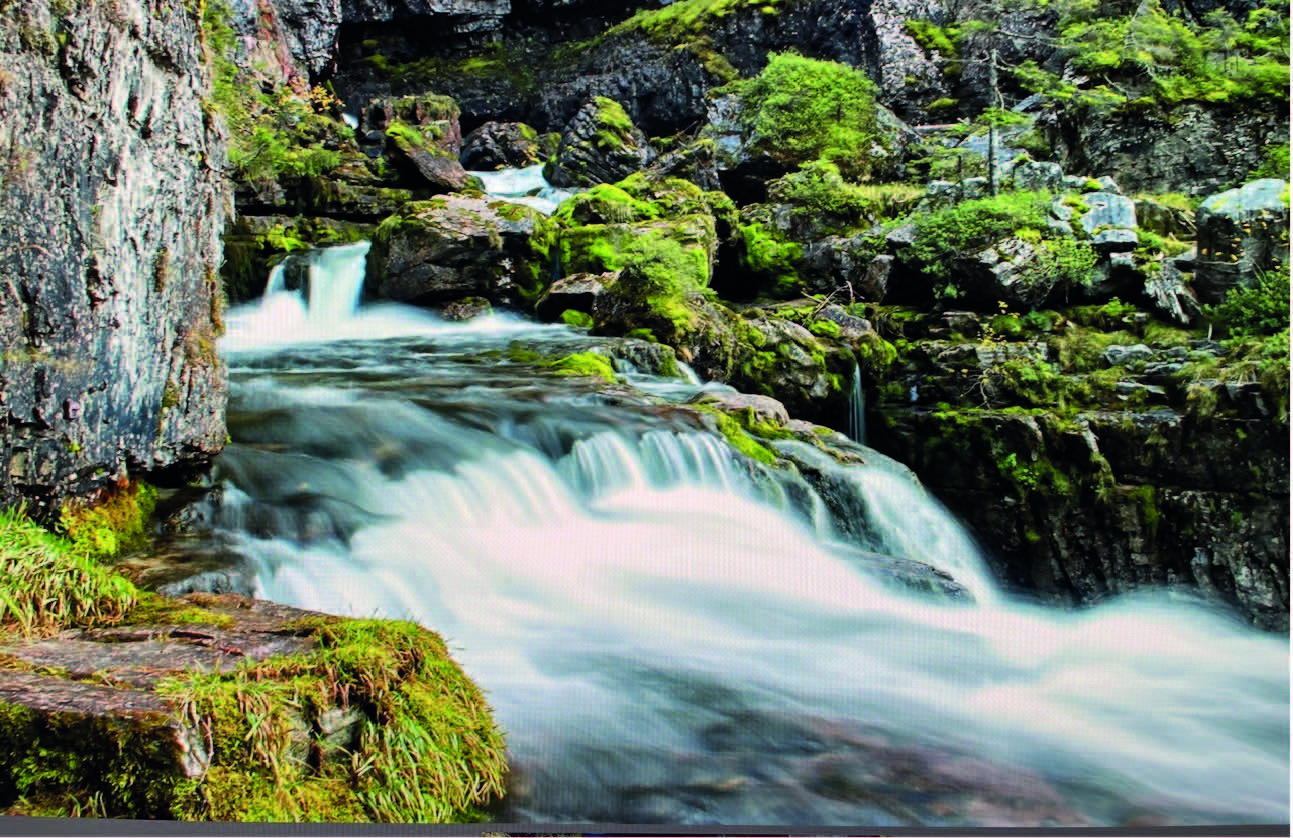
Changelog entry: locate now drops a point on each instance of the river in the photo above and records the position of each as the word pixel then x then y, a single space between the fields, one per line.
pixel 670 633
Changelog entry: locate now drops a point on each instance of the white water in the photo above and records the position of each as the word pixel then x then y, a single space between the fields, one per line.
pixel 524 186
pixel 625 597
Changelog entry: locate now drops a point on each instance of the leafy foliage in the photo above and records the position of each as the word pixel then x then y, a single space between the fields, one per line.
pixel 1258 311
pixel 1152 57
pixel 970 226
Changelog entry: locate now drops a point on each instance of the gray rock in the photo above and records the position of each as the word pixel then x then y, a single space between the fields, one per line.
pixel 114 202
pixel 1109 211
pixel 454 246
pixel 598 146
pixel 496 145
pixel 1240 233
pixel 1119 355
pixel 1171 294
pixel 576 292
pixel 1117 242
pixel 761 408
pixel 1194 149
pixel 1038 175
pixel 876 282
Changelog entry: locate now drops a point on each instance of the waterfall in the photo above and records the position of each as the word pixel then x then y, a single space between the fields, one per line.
pixel 670 632
pixel 857 408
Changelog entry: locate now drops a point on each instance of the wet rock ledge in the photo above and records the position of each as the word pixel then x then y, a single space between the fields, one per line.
pixel 225 708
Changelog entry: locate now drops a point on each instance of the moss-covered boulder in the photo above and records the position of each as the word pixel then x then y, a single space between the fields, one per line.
pixel 228 709
pixel 497 145
pixel 600 145
pixel 120 703
pixel 454 246
pixel 422 140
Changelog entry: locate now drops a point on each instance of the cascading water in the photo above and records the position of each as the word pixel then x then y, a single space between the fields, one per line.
pixel 524 186
pixel 857 409
pixel 669 632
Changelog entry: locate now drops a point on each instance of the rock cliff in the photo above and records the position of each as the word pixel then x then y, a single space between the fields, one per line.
pixel 112 206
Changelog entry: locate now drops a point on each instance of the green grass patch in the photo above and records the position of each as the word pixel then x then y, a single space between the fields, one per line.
pixel 47 583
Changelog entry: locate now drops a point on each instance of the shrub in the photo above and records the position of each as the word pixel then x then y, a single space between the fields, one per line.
pixel 970 226
pixel 801 109
pixel 1260 310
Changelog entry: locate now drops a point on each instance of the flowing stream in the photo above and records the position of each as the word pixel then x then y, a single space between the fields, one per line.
pixel 670 633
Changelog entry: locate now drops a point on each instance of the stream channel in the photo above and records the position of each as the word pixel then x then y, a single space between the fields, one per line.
pixel 671 633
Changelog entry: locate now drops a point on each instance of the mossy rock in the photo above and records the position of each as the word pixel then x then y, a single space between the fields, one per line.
pixel 455 246
pixel 245 711
pixel 600 145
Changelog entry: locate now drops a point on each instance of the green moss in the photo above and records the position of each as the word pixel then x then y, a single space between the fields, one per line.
pixel 151 609
pixel 577 319
pixel 585 364
pixel 115 523
pixel 801 109
pixel 766 255
pixel 426 750
pixel 739 438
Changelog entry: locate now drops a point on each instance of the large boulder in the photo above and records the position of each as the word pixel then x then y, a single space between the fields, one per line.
pixel 454 246
pixel 1240 232
pixel 497 145
pixel 600 145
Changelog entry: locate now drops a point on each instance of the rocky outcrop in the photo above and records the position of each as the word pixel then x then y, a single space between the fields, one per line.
pixel 1241 233
pixel 1089 467
pixel 454 246
pixel 109 244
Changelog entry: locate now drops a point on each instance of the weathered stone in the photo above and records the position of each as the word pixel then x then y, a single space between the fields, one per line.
pixel 876 282
pixel 1107 211
pixel 1118 355
pixel 453 246
pixel 1038 175
pixel 760 408
pixel 467 308
pixel 109 243
pixel 1240 233
pixel 1170 293
pixel 1191 148
pixel 576 292
pixel 600 145
pixel 1003 272
pixel 497 145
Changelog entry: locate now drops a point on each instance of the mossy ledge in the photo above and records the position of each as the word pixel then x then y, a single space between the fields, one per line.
pixel 223 708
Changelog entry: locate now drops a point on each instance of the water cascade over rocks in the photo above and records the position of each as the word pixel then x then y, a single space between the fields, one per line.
pixel 670 632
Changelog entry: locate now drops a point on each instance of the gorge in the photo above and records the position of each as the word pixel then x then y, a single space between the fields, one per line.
pixel 636 350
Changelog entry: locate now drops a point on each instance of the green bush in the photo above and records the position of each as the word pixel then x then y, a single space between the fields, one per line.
pixel 971 226
pixel 1260 310
pixel 801 109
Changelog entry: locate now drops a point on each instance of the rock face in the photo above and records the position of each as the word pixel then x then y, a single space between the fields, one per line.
pixel 109 241
pixel 1191 149
pixel 1086 486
